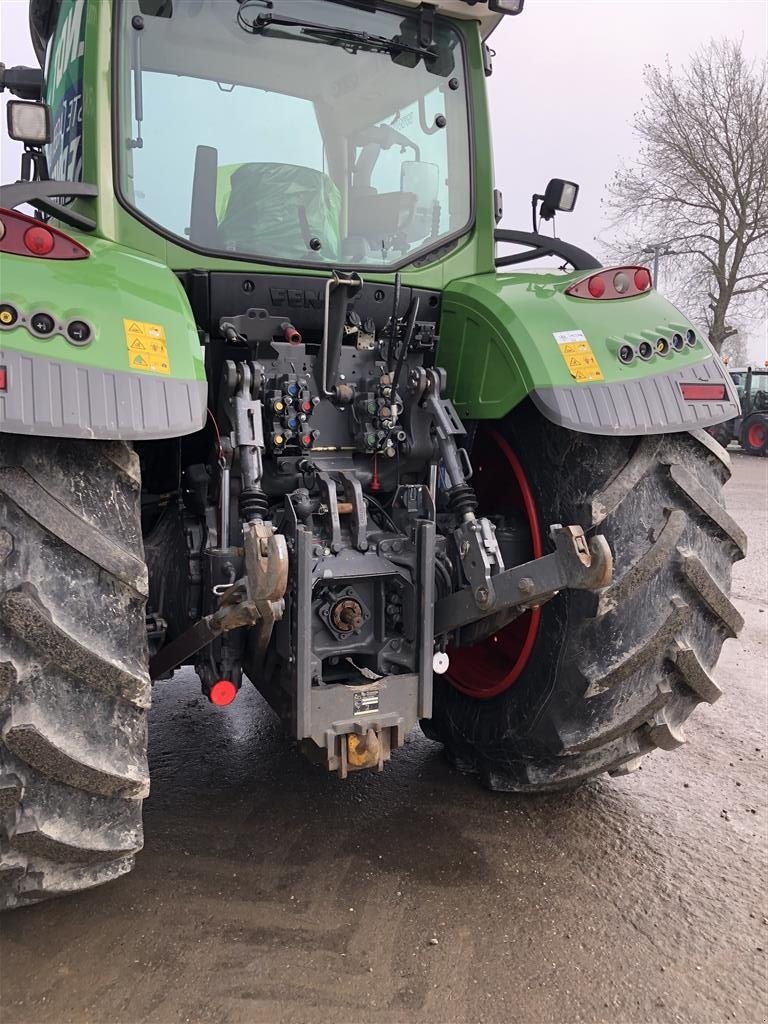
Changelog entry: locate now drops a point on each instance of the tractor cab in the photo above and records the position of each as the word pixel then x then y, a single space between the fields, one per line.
pixel 312 133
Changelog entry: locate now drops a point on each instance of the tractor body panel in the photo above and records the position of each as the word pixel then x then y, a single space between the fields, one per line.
pixel 135 372
pixel 498 332
pixel 506 336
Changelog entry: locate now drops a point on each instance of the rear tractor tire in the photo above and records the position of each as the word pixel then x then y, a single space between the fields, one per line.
pixel 74 687
pixel 590 683
pixel 754 434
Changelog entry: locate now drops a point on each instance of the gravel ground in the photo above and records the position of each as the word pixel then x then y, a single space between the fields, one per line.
pixel 270 892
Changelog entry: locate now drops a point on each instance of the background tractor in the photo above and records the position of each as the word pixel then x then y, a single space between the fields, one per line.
pixel 274 406
pixel 750 427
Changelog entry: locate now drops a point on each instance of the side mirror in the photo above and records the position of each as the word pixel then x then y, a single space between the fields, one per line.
pixel 29 122
pixel 26 83
pixel 560 196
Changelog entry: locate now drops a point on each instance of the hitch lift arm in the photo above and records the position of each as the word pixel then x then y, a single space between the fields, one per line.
pixel 575 563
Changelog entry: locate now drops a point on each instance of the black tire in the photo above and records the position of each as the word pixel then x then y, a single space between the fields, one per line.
pixel 722 433
pixel 613 675
pixel 74 687
pixel 754 434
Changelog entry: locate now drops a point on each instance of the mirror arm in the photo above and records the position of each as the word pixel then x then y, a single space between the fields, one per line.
pixel 542 245
pixel 42 195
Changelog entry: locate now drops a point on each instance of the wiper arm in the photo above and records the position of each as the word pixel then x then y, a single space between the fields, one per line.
pixel 345 35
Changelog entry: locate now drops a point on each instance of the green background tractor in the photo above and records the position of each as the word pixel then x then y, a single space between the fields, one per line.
pixel 274 404
pixel 750 427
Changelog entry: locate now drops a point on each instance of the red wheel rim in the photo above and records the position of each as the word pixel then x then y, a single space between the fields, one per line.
pixel 756 435
pixel 490 667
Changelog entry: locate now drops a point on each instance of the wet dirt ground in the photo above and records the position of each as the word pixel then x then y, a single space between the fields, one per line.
pixel 270 892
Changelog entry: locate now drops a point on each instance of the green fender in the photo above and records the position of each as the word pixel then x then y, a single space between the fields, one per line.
pixel 504 337
pixel 138 373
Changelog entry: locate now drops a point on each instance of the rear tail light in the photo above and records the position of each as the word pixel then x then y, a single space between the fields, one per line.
pixel 39 241
pixel 642 279
pixel 596 286
pixel 21 235
pixel 617 283
pixel 703 392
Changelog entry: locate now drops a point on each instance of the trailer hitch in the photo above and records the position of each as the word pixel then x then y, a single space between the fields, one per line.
pixel 576 563
pixel 254 600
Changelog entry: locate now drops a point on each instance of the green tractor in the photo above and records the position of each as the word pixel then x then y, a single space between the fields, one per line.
pixel 275 404
pixel 750 427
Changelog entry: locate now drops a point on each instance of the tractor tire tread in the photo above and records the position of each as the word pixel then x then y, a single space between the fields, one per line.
pixel 637 658
pixel 74 686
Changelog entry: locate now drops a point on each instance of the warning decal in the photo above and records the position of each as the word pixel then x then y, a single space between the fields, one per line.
pixel 147 348
pixel 578 355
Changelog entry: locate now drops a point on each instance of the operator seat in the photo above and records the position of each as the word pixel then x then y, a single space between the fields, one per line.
pixel 281 210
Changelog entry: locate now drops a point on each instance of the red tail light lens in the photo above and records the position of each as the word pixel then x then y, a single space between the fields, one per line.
pixel 703 392
pixel 642 279
pixel 21 235
pixel 39 241
pixel 617 283
pixel 596 286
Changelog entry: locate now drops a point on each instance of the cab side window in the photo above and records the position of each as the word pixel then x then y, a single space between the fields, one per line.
pixel 64 92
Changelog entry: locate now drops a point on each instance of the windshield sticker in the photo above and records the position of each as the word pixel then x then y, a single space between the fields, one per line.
pixel 147 348
pixel 578 355
pixel 65 93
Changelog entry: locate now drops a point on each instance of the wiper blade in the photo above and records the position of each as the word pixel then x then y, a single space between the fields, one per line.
pixel 351 36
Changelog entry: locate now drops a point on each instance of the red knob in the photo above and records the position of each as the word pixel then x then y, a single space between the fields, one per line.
pixel 222 693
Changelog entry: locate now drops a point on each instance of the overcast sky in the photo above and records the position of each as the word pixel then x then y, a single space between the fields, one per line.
pixel 567 79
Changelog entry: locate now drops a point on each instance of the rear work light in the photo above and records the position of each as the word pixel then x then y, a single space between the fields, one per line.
pixel 616 283
pixel 703 392
pixel 21 235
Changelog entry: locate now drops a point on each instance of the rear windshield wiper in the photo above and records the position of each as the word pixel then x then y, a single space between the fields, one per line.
pixel 353 37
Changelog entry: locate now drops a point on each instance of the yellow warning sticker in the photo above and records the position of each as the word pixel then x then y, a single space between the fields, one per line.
pixel 578 355
pixel 147 348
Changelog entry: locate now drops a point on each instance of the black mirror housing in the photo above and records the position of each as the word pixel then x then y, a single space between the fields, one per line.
pixel 559 196
pixel 26 83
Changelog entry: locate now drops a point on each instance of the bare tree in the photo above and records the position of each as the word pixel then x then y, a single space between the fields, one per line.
pixel 698 189
pixel 736 349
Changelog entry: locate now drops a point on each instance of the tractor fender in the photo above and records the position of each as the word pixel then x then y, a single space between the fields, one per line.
pixel 134 370
pixel 504 337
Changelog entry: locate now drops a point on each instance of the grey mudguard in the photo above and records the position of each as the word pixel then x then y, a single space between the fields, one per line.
pixel 57 399
pixel 650 405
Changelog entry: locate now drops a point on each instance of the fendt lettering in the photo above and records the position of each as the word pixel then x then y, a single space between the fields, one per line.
pixel 274 408
pixel 296 298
